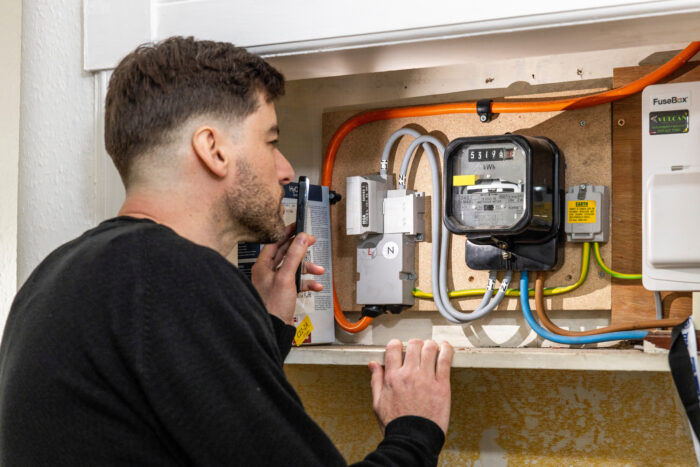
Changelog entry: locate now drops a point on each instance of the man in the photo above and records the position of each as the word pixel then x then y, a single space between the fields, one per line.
pixel 138 343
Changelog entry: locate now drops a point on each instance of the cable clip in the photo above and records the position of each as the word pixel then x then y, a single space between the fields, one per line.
pixel 372 311
pixel 334 197
pixel 483 108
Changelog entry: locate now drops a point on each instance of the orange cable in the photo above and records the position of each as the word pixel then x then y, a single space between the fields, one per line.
pixel 343 322
pixel 547 323
pixel 497 107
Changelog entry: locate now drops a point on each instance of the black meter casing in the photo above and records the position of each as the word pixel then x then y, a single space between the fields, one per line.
pixel 505 194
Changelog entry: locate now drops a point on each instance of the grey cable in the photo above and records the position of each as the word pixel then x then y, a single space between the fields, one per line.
pixel 435 227
pixel 441 245
pixel 479 312
pixel 659 305
pixel 493 275
pixel 412 149
pixel 384 163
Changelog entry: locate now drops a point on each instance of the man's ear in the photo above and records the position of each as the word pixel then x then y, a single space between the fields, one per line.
pixel 207 143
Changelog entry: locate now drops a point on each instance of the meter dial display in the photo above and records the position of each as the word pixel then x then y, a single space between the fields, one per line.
pixel 488 185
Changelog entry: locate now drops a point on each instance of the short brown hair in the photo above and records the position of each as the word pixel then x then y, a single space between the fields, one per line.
pixel 157 87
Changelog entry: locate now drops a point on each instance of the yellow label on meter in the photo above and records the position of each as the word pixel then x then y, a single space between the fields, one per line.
pixel 581 212
pixel 303 330
pixel 463 180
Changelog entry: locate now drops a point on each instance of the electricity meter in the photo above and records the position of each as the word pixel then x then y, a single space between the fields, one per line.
pixel 504 193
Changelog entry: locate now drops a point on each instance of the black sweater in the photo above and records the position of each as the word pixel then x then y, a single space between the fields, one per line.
pixel 134 346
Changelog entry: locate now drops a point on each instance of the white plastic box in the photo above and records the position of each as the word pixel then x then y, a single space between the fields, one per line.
pixel 671 186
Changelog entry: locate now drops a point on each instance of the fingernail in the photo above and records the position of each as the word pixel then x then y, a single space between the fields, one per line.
pixel 301 239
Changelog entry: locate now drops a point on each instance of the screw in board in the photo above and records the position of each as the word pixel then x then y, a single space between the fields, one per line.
pixel 582 123
pixel 621 122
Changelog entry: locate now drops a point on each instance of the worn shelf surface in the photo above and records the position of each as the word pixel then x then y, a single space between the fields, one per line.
pixel 513 358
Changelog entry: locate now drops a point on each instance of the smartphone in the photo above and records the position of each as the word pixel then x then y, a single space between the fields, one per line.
pixel 302 201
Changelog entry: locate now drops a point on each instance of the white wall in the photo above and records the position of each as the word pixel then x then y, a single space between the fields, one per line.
pixel 57 188
pixel 10 43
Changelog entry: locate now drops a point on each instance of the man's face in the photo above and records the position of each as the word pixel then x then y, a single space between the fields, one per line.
pixel 254 199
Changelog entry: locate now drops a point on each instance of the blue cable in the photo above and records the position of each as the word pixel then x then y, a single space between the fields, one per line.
pixel 572 340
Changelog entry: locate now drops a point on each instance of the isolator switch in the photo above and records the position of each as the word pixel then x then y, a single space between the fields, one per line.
pixel 587 213
pixel 365 203
pixel 388 224
pixel 403 212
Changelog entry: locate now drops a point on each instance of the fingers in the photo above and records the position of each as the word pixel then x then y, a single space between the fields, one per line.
pixel 289 231
pixel 295 253
pixel 377 381
pixel 284 243
pixel 281 251
pixel 444 362
pixel 428 358
pixel 306 268
pixel 413 353
pixel 309 285
pixel 420 355
pixel 267 255
pixel 392 356
pixel 312 268
pixel 269 252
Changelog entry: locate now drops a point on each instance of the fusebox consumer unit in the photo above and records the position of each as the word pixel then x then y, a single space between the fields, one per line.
pixel 671 186
pixel 505 194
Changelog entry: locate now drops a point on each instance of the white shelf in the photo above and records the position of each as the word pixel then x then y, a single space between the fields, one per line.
pixel 512 358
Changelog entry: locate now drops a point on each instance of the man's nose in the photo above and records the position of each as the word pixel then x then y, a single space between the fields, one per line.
pixel 285 171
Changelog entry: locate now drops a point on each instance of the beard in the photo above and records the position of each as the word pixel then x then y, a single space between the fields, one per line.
pixel 256 211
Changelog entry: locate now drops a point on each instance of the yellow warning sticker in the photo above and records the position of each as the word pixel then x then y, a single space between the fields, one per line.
pixel 581 212
pixel 463 180
pixel 303 330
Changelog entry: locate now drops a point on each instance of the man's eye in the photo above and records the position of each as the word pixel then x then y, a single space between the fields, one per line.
pixel 275 143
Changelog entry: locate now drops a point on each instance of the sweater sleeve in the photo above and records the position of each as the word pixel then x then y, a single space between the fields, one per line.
pixel 212 370
pixel 408 440
pixel 284 334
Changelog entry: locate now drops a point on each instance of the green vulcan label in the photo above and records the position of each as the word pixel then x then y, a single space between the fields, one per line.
pixel 668 122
